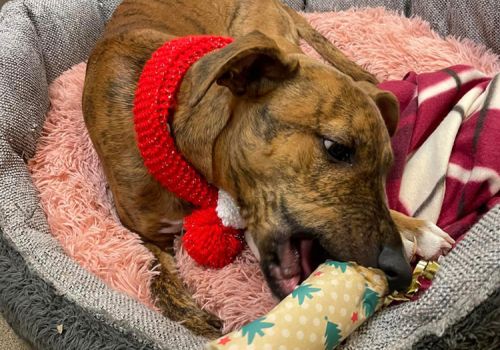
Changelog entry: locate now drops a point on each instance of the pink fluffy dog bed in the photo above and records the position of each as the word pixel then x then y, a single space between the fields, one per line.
pixel 79 208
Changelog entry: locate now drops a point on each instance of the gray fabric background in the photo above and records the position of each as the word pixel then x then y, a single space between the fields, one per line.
pixel 338 5
pixel 41 39
pixel 479 330
pixel 298 5
pixel 35 309
pixel 478 20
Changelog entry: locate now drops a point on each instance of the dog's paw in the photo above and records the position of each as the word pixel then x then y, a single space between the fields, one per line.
pixel 427 241
pixel 432 242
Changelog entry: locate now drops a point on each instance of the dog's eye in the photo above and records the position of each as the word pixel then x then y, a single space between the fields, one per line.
pixel 338 152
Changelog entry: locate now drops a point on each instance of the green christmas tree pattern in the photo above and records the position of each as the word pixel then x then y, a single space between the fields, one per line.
pixel 254 328
pixel 370 301
pixel 304 291
pixel 332 335
pixel 338 264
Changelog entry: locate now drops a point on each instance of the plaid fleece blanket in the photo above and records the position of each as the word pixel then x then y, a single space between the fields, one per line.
pixel 447 147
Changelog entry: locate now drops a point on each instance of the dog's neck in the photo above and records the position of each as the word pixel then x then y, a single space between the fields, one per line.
pixel 197 129
pixel 155 107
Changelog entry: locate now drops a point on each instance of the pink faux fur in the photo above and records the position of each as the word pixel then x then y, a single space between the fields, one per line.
pixel 74 195
pixel 73 189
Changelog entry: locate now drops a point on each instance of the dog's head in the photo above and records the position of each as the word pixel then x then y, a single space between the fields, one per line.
pixel 304 150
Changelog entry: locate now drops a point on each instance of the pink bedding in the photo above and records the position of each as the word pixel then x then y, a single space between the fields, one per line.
pixel 73 190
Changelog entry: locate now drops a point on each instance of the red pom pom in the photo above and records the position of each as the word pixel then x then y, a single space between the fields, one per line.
pixel 208 241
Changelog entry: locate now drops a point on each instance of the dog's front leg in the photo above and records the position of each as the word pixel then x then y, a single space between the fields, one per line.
pixel 421 237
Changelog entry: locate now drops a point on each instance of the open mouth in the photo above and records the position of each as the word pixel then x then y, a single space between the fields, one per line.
pixel 296 258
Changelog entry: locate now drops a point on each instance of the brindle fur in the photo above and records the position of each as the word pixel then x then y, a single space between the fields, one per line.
pixel 253 132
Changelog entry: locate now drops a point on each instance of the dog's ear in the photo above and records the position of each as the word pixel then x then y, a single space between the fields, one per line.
pixel 251 66
pixel 386 102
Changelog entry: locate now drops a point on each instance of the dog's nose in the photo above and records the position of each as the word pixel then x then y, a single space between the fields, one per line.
pixel 396 268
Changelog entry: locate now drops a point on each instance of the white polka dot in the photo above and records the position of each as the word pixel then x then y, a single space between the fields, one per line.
pixel 267 347
pixel 288 318
pixel 343 311
pixel 320 282
pixel 313 337
pixel 333 295
pixel 270 331
pixel 271 318
pixel 348 284
pixel 305 305
pixel 316 322
pixel 300 335
pixel 334 282
pixel 347 297
pixel 285 333
pixel 233 347
pixel 288 304
pixel 319 307
pixel 302 320
pixel 331 309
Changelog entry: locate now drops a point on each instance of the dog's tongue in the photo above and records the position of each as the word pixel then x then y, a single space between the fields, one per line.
pixel 305 257
pixel 288 285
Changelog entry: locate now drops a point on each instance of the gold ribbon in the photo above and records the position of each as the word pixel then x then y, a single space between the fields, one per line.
pixel 424 270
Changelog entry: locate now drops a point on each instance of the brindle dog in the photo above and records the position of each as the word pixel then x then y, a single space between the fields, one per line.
pixel 301 145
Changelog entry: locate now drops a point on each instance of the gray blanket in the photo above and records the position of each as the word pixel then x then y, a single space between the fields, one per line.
pixel 41 288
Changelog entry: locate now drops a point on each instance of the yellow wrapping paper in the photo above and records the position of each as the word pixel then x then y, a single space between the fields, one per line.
pixel 317 315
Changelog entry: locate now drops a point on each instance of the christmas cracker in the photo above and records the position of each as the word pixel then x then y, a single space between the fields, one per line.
pixel 329 305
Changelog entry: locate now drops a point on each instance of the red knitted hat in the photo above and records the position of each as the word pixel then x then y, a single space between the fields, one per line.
pixel 213 235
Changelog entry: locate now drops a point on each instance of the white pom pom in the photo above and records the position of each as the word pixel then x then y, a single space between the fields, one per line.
pixel 228 211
